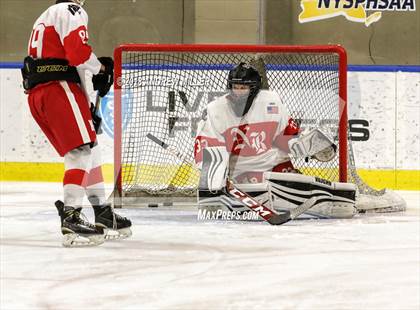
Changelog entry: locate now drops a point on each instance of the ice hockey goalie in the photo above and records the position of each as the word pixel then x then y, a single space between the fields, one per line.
pixel 249 136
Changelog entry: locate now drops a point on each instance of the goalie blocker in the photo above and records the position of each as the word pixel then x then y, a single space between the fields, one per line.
pixel 279 191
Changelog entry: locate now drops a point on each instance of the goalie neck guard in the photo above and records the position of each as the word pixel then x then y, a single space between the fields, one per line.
pixel 243 74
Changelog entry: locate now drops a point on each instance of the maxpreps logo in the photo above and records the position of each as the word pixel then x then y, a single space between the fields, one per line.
pixel 353 10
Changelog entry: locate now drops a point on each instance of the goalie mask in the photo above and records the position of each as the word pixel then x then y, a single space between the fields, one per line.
pixel 243 96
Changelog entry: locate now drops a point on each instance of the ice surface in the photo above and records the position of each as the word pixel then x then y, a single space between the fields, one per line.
pixel 173 261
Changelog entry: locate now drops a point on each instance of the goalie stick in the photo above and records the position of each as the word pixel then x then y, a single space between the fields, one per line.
pixel 265 213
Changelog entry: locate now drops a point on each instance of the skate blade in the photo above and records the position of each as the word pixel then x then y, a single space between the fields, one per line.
pixel 123 233
pixel 73 240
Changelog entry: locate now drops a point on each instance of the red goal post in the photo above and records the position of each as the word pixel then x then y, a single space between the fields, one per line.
pixel 218 49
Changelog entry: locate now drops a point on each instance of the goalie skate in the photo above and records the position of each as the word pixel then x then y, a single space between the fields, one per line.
pixel 383 201
pixel 76 231
pixel 115 226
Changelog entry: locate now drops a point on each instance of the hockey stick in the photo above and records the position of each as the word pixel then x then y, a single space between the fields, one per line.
pixel 97 120
pixel 97 102
pixel 230 190
pixel 267 214
pixel 114 199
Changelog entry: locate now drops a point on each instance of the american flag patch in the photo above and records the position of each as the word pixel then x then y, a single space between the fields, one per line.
pixel 273 110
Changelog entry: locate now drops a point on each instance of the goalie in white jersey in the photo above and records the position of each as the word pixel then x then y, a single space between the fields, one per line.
pixel 250 133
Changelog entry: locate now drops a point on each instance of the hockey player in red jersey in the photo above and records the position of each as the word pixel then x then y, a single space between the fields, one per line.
pixel 249 134
pixel 54 77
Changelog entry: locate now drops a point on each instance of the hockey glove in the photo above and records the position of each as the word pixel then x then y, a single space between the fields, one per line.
pixel 313 143
pixel 103 81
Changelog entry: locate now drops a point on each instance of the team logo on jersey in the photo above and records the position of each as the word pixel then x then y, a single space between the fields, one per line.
pixel 107 111
pixel 255 140
pixel 74 9
pixel 352 10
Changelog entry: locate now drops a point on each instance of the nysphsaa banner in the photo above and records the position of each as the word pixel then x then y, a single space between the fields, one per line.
pixel 359 11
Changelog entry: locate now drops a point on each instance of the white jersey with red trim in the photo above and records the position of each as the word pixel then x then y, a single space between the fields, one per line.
pixel 257 141
pixel 61 32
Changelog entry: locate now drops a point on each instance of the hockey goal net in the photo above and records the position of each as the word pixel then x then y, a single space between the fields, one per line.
pixel 164 89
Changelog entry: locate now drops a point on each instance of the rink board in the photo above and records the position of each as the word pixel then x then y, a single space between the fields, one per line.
pixel 53 172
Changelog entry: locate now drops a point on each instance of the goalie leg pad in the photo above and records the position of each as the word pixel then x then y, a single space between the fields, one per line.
pixel 213 174
pixel 334 199
pixel 214 169
pixel 215 200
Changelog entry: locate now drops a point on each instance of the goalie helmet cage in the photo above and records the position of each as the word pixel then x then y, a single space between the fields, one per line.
pixel 164 89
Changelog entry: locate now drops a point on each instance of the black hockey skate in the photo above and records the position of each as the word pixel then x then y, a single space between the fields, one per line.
pixel 115 226
pixel 76 231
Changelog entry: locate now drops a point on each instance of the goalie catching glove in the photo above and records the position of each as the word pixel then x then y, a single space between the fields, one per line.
pixel 103 81
pixel 313 144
